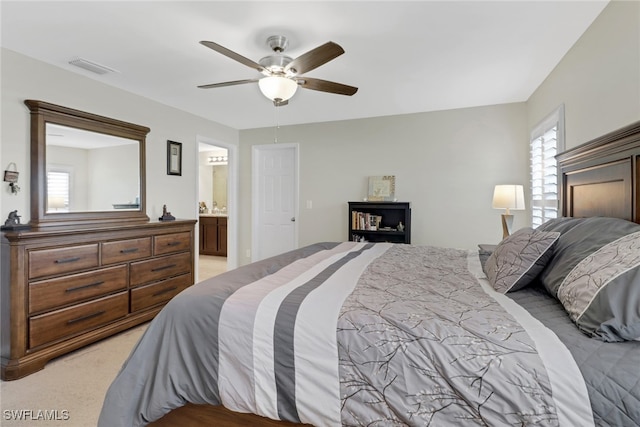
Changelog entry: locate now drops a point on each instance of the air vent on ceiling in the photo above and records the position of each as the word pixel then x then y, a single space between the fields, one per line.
pixel 91 66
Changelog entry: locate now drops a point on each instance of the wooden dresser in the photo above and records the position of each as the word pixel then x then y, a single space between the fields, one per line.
pixel 66 287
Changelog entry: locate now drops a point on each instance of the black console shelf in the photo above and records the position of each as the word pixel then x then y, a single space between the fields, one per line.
pixel 380 222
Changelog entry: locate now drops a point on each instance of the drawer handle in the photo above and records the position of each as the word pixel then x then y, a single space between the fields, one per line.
pixel 164 291
pixel 129 251
pixel 87 317
pixel 164 267
pixel 66 260
pixel 173 243
pixel 88 285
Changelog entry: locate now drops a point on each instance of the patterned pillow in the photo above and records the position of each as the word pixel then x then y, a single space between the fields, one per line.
pixel 582 238
pixel 602 292
pixel 519 258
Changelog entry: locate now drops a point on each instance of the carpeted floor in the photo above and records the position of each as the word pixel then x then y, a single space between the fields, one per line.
pixel 69 391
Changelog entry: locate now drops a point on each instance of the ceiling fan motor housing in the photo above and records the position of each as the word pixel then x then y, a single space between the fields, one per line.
pixel 277 43
pixel 275 63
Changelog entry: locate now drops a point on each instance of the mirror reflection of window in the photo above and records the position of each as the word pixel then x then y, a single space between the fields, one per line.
pixel 58 186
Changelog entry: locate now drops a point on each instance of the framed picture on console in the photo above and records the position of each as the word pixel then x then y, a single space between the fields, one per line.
pixel 174 158
pixel 382 188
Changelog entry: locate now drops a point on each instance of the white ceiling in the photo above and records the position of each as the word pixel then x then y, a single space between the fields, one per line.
pixel 405 57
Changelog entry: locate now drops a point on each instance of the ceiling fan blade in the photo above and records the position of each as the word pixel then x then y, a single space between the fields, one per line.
pixel 231 54
pixel 326 86
pixel 232 83
pixel 314 58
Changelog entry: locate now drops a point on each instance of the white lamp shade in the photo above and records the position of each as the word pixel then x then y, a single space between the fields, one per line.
pixel 276 87
pixel 55 202
pixel 508 197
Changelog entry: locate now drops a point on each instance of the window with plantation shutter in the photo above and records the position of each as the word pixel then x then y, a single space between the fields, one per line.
pixel 58 189
pixel 547 140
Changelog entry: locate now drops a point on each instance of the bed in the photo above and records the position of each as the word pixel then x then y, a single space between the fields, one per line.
pixel 546 331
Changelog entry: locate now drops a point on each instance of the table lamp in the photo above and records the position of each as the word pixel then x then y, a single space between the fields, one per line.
pixel 508 197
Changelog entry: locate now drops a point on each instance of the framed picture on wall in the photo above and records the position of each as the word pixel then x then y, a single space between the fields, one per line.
pixel 174 158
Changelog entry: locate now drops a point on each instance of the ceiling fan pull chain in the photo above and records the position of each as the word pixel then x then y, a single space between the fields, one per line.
pixel 275 138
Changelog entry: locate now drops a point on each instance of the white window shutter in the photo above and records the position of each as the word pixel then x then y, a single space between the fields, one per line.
pixel 547 140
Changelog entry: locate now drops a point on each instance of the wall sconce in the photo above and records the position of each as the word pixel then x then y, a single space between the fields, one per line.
pixel 508 197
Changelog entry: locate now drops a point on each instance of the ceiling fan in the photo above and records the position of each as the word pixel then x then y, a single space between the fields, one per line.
pixel 282 74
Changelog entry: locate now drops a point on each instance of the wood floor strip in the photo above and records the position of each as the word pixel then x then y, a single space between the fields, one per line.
pixel 192 415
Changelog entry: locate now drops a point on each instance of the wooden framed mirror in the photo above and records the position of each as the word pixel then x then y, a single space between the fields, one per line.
pixel 85 168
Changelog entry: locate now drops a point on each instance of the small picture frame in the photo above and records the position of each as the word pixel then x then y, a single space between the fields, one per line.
pixel 382 188
pixel 174 158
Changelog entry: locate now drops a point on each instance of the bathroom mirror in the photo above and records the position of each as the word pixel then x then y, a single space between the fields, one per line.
pixel 84 167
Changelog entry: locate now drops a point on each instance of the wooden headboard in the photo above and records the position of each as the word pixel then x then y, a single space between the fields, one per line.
pixel 600 177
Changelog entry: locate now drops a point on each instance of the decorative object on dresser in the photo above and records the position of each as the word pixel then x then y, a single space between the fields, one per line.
pixel 508 197
pixel 166 215
pixel 77 276
pixel 380 222
pixel 13 222
pixel 213 235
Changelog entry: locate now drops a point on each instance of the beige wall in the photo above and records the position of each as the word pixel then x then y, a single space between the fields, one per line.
pixel 598 80
pixel 446 164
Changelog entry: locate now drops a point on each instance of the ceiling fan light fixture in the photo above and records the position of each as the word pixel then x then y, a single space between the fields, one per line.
pixel 277 87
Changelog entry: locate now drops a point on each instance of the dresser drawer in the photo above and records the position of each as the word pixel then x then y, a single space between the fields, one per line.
pixel 169 243
pixel 125 250
pixel 48 262
pixel 142 272
pixel 52 293
pixel 78 318
pixel 158 293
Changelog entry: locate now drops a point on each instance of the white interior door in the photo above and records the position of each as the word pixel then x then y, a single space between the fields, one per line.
pixel 275 199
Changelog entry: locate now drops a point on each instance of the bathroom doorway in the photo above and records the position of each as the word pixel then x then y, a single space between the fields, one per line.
pixel 213 209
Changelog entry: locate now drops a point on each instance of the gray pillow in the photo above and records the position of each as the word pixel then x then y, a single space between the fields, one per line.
pixel 583 237
pixel 561 224
pixel 519 258
pixel 602 292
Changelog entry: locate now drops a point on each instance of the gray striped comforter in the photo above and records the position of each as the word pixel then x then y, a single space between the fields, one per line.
pixel 352 334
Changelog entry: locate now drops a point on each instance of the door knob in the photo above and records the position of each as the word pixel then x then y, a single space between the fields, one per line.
pixel 293 219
